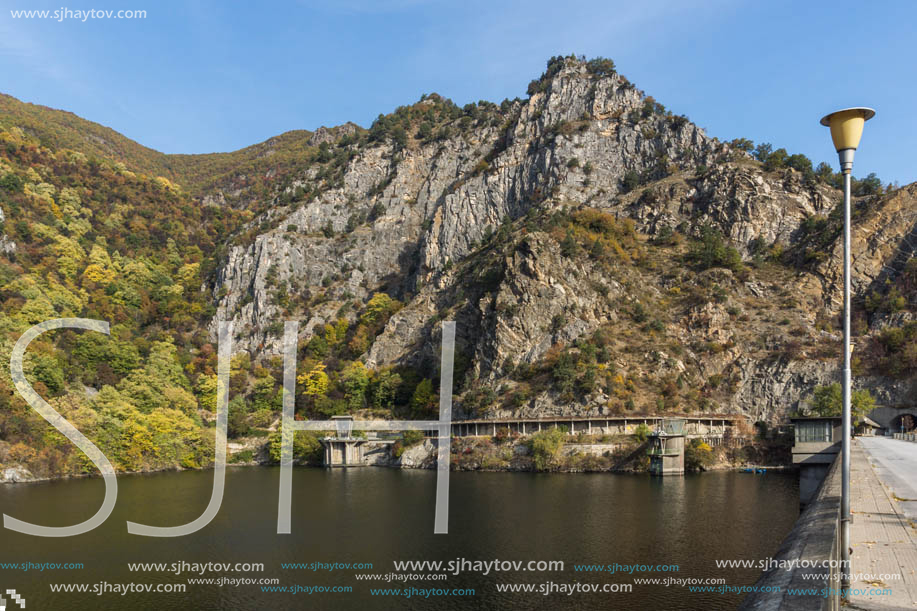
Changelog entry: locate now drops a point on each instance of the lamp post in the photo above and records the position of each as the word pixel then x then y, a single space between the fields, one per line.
pixel 846 129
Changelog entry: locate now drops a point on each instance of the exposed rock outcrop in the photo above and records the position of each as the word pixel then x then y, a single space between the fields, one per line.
pixel 454 227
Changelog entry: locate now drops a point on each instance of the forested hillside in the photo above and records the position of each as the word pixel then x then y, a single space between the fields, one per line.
pixel 85 237
pixel 599 253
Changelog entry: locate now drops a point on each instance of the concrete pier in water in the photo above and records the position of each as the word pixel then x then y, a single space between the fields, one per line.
pixel 345 450
pixel 667 451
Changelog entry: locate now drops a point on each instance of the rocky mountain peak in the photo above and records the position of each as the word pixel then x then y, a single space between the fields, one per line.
pixel 433 185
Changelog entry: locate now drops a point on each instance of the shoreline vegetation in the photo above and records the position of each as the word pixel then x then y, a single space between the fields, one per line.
pixel 550 451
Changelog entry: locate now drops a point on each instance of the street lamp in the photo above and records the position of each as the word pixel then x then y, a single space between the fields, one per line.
pixel 846 129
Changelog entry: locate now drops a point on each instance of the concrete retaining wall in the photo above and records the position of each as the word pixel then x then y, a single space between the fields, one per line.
pixel 593 449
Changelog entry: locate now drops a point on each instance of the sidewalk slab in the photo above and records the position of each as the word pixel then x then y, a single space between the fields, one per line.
pixel 883 539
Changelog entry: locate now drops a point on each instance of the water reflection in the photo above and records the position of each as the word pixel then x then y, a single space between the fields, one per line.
pixel 380 515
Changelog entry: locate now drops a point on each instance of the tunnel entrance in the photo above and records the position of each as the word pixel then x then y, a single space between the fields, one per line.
pixel 905 423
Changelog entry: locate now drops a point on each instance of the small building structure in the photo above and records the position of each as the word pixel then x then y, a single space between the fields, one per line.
pixel 817 442
pixel 868 427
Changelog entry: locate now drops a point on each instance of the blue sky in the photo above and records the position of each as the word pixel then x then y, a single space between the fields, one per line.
pixel 195 77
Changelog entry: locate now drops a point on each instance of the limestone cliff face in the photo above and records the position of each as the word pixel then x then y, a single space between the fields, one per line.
pixel 7 245
pixel 573 142
pixel 883 239
pixel 418 221
pixel 744 202
pixel 434 202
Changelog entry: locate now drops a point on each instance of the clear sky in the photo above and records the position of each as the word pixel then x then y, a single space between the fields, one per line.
pixel 205 76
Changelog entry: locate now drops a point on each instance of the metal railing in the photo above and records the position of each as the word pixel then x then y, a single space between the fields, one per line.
pixel 662 452
pixel 672 426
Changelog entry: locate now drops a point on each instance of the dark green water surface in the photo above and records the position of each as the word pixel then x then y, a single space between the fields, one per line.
pixel 377 516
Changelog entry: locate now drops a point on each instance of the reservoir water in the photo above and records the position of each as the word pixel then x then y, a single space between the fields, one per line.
pixel 377 516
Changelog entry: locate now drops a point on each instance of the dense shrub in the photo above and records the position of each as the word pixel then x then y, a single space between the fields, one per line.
pixel 893 351
pixel 642 432
pixel 545 446
pixel 306 447
pixel 698 455
pixel 241 457
pixel 601 66
pixel 412 438
pixel 712 250
pixel 630 181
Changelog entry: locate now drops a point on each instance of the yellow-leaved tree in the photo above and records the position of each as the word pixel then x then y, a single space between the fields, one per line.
pixel 314 382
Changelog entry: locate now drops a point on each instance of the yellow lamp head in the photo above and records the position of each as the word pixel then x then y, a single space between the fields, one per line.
pixel 846 129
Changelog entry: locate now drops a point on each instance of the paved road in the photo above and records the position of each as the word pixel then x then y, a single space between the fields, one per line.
pixel 884 545
pixel 895 462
